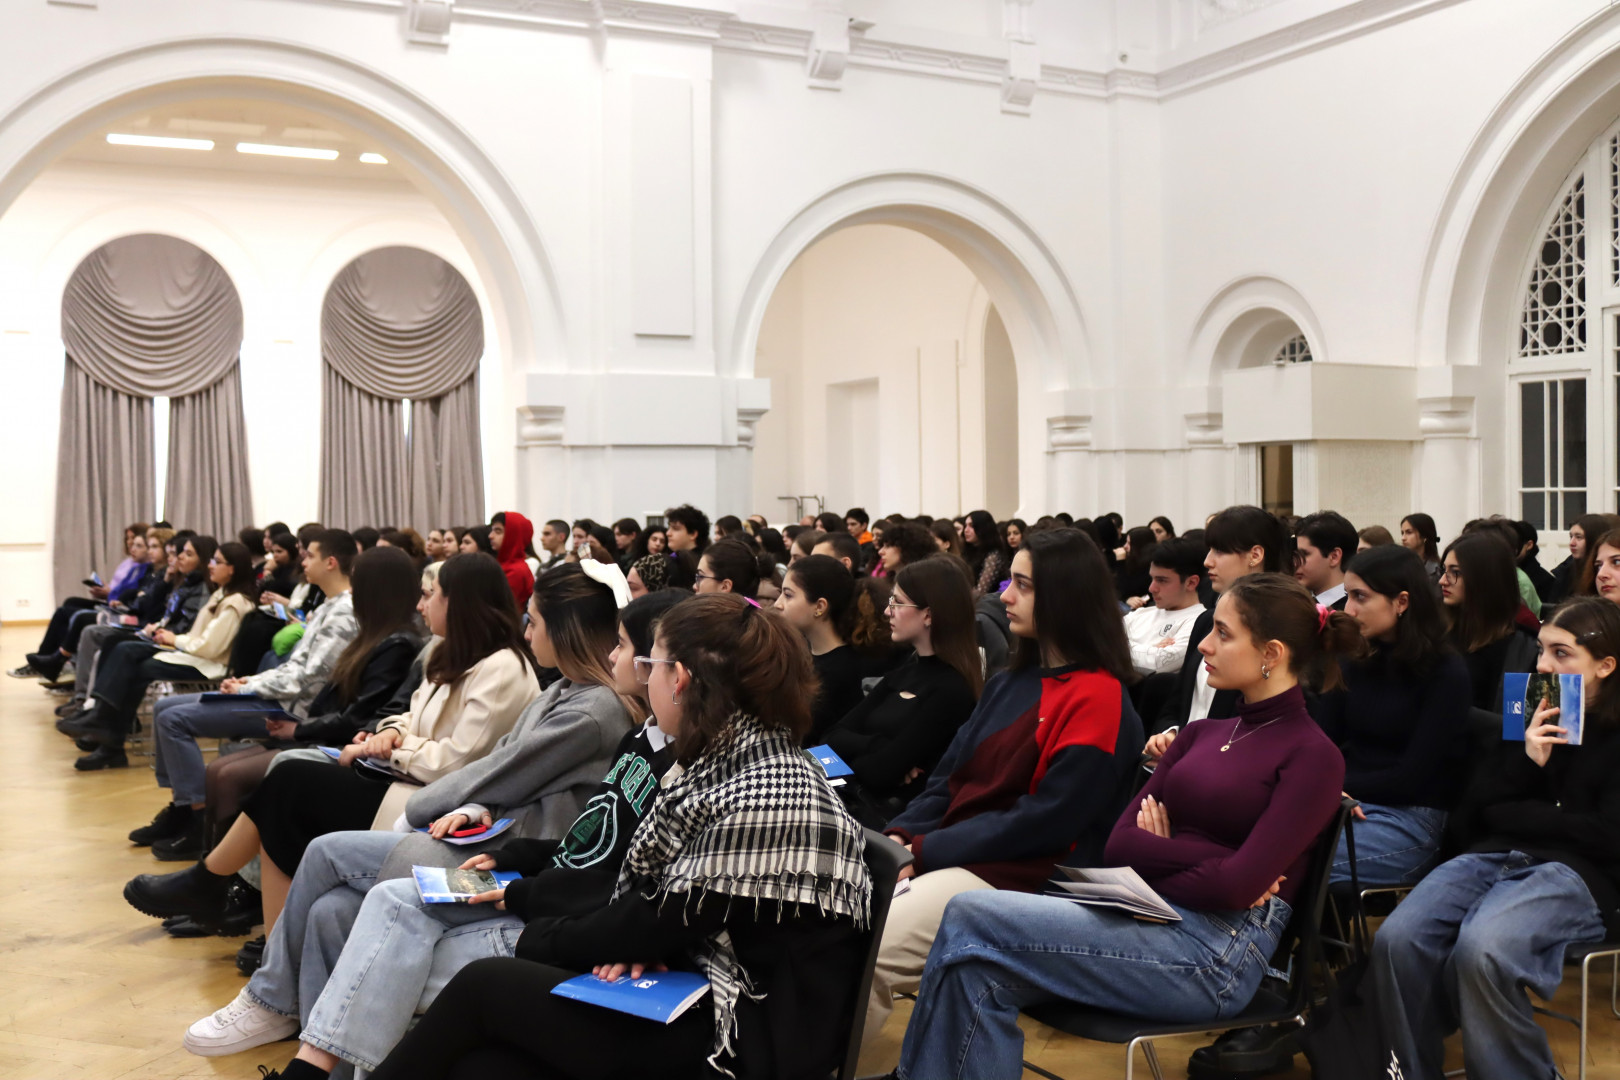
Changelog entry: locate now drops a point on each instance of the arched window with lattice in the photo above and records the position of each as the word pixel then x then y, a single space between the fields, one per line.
pixel 1296 350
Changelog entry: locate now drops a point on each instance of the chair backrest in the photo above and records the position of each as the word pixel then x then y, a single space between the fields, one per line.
pixel 884 861
pixel 1301 939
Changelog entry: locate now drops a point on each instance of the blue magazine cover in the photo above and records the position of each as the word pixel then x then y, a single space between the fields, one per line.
pixel 830 762
pixel 1522 694
pixel 440 886
pixel 657 995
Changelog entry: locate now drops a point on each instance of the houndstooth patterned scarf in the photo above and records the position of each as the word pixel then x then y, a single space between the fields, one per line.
pixel 752 818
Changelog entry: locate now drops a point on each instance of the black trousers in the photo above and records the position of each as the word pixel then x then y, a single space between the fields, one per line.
pixel 501 1012
pixel 124 675
pixel 76 628
pixel 56 631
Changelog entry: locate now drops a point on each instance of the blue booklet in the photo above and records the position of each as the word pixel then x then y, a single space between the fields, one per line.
pixel 657 995
pixel 440 886
pixel 830 762
pixel 1523 693
pixel 500 826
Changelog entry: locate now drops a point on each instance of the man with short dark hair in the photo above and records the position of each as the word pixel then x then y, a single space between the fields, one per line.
pixel 554 542
pixel 841 546
pixel 687 530
pixel 1323 543
pixel 180 720
pixel 1159 634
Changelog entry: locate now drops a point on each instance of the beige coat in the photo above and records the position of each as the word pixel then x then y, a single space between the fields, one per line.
pixel 448 726
pixel 207 648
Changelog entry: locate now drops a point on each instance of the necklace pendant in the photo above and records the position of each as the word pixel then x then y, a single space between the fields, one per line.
pixel 1225 748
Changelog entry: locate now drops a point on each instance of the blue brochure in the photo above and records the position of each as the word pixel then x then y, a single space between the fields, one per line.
pixel 657 995
pixel 440 886
pixel 1522 694
pixel 479 837
pixel 830 762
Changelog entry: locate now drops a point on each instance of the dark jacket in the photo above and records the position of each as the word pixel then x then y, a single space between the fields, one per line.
pixel 332 722
pixel 185 600
pixel 1539 577
pixel 152 597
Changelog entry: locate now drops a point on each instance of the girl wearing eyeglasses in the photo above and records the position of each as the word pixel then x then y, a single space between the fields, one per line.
pixel 1480 591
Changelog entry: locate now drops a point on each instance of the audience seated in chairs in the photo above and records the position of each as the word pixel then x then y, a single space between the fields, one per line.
pixel 1223 832
pixel 728 566
pixel 1324 544
pixel 54 652
pixel 1478 586
pixel 1158 634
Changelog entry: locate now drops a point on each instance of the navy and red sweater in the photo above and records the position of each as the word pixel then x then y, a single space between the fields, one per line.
pixel 1036 777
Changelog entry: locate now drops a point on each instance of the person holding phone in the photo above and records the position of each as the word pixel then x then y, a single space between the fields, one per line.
pixel 1541 873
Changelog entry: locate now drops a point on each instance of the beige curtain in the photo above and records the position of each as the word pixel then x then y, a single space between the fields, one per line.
pixel 142 317
pixel 399 323
pixel 208 471
pixel 104 478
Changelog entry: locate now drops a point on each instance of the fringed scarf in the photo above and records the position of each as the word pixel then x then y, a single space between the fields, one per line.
pixel 752 819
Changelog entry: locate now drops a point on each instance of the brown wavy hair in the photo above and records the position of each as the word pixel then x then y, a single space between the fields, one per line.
pixel 1276 607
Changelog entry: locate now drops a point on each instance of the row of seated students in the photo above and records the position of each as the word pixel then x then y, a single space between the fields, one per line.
pixel 661 763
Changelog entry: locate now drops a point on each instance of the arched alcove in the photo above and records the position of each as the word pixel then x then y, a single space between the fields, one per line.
pixel 1248 323
pixel 1022 279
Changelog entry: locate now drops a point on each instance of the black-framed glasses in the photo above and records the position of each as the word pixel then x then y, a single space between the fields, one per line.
pixel 1453 573
pixel 644 667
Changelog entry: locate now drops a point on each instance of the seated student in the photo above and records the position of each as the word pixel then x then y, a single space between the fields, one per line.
pixel 1568 575
pixel 894 737
pixel 178 721
pixel 279 576
pixel 253 539
pixel 1012 532
pixel 627 542
pixel 514 538
pixel 1478 587
pixel 554 543
pixel 1131 575
pixel 946 537
pixel 657 540
pixel 1323 543
pixel 1606 567
pixel 687 530
pixel 1158 635
pixel 571 875
pixel 1162 529
pixel 727 525
pixel 903 543
pixel 203 647
pixel 266 637
pixel 841 546
pixel 1374 536
pixel 366 537
pixel 410 542
pixel 982 547
pixel 746 869
pixel 1419 535
pixel 1223 832
pixel 818 600
pixel 1540 875
pixel 1529 561
pixel 804 543
pixel 1241 540
pixel 1508 533
pixel 476 539
pixel 728 566
pixel 47 661
pixel 478 680
pixel 648 574
pixel 138 603
pixel 858 523
pixel 1037 774
pixel 355 917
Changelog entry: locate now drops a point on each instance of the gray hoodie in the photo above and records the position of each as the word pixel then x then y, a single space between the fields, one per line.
pixel 543 770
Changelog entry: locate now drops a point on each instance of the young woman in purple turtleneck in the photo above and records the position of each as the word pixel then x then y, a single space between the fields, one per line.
pixel 1223 832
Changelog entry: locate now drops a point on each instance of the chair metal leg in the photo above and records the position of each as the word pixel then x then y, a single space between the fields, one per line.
pixel 1586 981
pixel 1038 1071
pixel 1152 1056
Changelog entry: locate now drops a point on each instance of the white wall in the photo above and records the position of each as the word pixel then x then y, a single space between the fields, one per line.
pixel 280 239
pixel 876 302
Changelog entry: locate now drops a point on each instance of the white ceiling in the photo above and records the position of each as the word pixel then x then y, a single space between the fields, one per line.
pixel 227 122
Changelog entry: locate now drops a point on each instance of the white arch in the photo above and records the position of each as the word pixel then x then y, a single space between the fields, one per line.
pixel 1248 319
pixel 469 189
pixel 1020 273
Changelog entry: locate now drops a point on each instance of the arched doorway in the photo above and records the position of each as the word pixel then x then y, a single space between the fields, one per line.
pixel 1020 281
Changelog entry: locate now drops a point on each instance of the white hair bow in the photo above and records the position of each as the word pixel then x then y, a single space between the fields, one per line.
pixel 610 575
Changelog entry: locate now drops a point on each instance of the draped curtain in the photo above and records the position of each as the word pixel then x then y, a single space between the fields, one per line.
pixel 147 316
pixel 400 324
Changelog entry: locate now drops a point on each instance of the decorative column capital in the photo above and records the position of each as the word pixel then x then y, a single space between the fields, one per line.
pixel 1066 433
pixel 747 424
pixel 1205 429
pixel 539 425
pixel 1446 417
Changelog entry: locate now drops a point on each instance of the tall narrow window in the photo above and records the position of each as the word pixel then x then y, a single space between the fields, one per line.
pixel 1552 452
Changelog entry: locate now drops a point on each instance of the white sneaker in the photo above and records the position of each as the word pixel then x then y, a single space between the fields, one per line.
pixel 241 1025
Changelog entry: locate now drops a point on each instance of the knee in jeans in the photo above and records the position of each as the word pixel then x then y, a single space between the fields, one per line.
pixel 1477 956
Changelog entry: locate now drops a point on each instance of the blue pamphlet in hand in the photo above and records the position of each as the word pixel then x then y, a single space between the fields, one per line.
pixel 830 762
pixel 657 995
pixel 1522 694
pixel 440 886
pixel 475 837
pixel 281 611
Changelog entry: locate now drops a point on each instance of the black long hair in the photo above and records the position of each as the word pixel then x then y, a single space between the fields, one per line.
pixel 1239 529
pixel 482 619
pixel 1076 616
pixel 243 579
pixel 1420 633
pixel 1595 625
pixel 385 583
pixel 1490 590
pixel 938 584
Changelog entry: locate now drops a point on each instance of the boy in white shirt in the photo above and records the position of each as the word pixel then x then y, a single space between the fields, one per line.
pixel 1159 634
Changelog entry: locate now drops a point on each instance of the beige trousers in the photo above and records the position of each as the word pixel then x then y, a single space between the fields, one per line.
pixel 908 935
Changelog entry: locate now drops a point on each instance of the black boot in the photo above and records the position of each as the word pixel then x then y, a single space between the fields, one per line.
pixel 1246 1052
pixel 250 957
pixel 106 756
pixel 171 821
pixel 88 719
pixel 193 891
pixel 188 845
pixel 69 707
pixel 49 667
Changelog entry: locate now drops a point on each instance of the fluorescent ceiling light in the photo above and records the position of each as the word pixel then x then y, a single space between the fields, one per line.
pixel 163 141
pixel 285 151
pixel 373 159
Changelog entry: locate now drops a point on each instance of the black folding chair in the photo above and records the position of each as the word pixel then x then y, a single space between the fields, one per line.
pixel 1299 952
pixel 884 861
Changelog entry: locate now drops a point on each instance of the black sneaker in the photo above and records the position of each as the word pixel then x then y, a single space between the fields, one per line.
pixel 49 668
pixel 25 672
pixel 103 757
pixel 250 957
pixel 69 707
pixel 1246 1052
pixel 171 821
pixel 75 724
pixel 192 891
pixel 188 845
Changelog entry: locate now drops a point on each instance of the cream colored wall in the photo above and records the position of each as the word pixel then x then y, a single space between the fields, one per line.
pixel 872 301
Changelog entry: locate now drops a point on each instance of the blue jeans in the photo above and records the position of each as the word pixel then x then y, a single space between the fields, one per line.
pixel 399 956
pixel 179 720
pixel 997 952
pixel 1396 845
pixel 1459 951
pixel 337 871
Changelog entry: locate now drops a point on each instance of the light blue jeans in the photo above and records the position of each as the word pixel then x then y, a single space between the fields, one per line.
pixel 179 720
pixel 1396 845
pixel 1460 952
pixel 399 956
pixel 997 952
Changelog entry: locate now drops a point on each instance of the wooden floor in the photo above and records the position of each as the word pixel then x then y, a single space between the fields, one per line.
pixel 92 989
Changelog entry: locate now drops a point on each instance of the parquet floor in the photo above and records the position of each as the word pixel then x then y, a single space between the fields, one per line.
pixel 92 990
